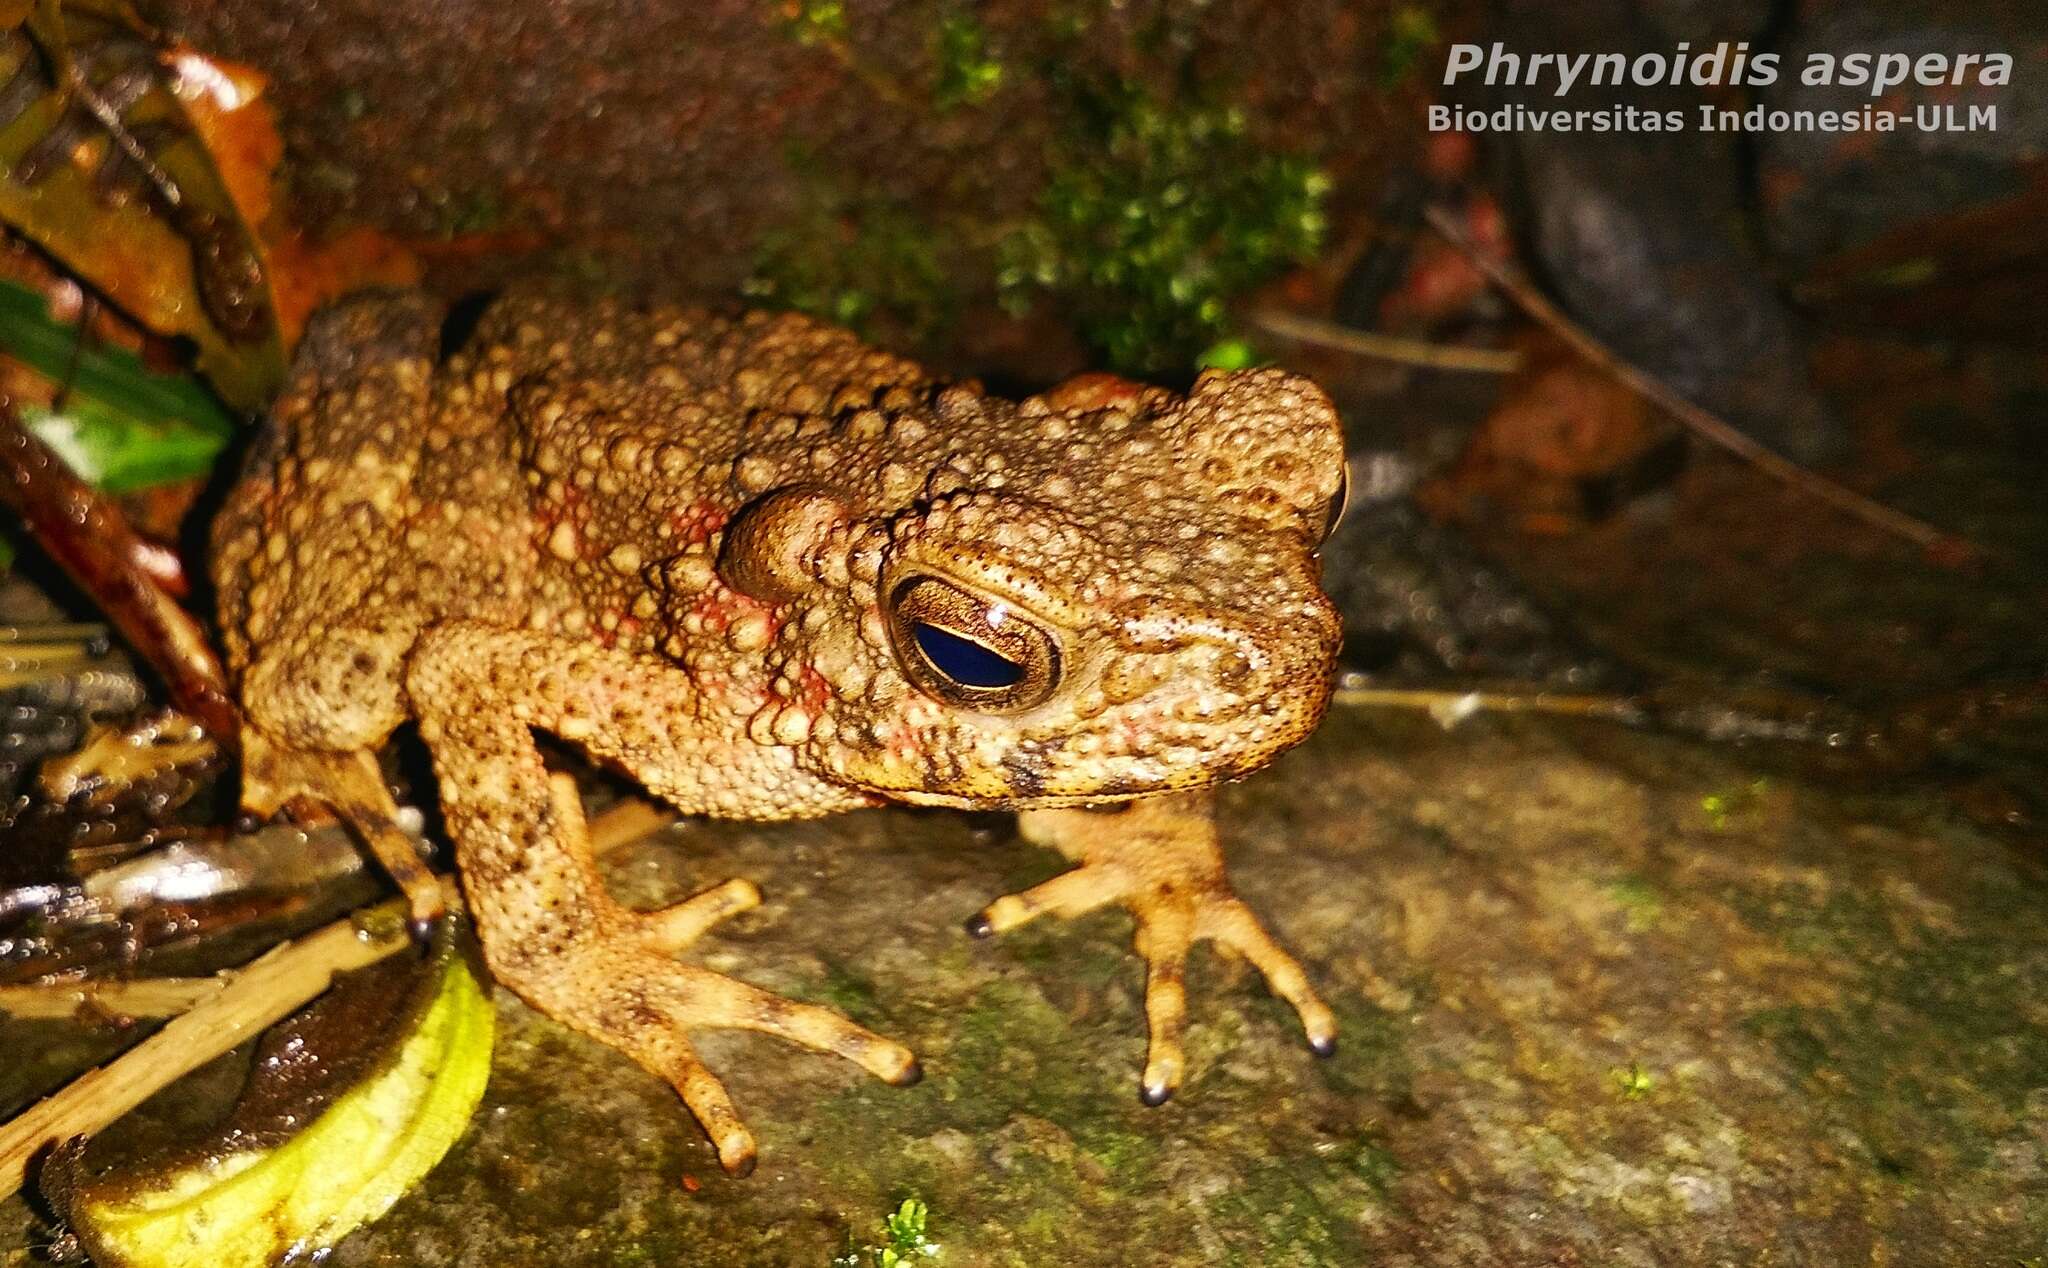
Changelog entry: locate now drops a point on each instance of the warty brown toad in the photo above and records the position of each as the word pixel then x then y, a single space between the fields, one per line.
pixel 772 573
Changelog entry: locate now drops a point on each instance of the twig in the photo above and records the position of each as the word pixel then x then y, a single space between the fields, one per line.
pixel 258 996
pixel 86 534
pixel 1702 423
pixel 45 672
pixel 1452 706
pixel 16 656
pixel 123 756
pixel 627 822
pixel 136 997
pixel 52 632
pixel 1365 343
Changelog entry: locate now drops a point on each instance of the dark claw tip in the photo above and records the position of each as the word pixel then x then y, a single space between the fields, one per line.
pixel 912 1075
pixel 741 1168
pixel 1155 1094
pixel 977 925
pixel 423 928
pixel 1324 1047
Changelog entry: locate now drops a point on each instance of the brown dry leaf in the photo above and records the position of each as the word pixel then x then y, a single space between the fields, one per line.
pixel 173 215
pixel 226 103
pixel 1559 423
pixel 306 274
pixel 144 216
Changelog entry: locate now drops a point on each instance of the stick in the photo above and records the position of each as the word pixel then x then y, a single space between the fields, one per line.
pixel 1699 421
pixel 140 997
pixel 52 632
pixel 1365 343
pixel 256 997
pixel 86 534
pixel 1453 706
pixel 43 672
pixel 17 656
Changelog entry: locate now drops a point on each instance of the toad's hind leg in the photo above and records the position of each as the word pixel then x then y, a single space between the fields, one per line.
pixel 1159 858
pixel 549 929
pixel 276 776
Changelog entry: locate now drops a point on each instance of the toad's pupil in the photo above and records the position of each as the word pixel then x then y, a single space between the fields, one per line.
pixel 964 660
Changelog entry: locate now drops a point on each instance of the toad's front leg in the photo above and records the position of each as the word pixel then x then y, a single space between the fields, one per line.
pixel 1159 858
pixel 549 929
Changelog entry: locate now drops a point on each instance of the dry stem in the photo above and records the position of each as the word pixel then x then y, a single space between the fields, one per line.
pixel 255 997
pixel 1451 706
pixel 1697 420
pixel 138 997
pixel 1365 343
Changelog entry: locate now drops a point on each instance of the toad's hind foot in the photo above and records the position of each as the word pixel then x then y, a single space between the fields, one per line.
pixel 1159 858
pixel 279 776
pixel 619 987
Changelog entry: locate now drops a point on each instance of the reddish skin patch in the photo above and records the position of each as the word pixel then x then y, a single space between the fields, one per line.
pixel 719 606
pixel 812 691
pixel 1092 391
pixel 900 740
pixel 623 627
pixel 713 608
pixel 573 508
pixel 697 525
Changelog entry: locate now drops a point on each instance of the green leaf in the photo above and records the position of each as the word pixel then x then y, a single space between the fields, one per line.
pixel 247 1200
pixel 1230 354
pixel 119 426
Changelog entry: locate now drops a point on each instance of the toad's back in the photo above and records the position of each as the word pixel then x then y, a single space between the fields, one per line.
pixel 530 480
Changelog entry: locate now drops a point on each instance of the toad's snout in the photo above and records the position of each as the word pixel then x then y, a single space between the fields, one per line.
pixel 1204 671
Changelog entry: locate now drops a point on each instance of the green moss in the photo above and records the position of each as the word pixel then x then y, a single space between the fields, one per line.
pixel 1928 1054
pixel 865 263
pixel 477 211
pixel 844 992
pixel 1092 951
pixel 1412 32
pixel 1632 1082
pixel 968 74
pixel 903 1241
pixel 1790 1037
pixel 1234 353
pixel 1373 1163
pixel 1373 1064
pixel 1154 215
pixel 1282 1213
pixel 1158 207
pixel 1725 807
pixel 813 22
pixel 1641 903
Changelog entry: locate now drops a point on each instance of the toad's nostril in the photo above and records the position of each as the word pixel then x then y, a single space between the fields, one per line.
pixel 1234 669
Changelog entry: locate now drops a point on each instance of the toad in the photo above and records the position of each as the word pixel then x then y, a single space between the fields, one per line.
pixel 772 573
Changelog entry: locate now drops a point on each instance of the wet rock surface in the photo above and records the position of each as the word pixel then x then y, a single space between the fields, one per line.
pixel 1603 995
pixel 1606 997
pixel 1822 192
pixel 1644 238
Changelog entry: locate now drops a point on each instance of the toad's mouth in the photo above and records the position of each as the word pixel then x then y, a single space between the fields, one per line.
pixel 1045 774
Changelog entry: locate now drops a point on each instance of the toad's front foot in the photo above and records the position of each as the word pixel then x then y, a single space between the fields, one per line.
pixel 617 984
pixel 1159 858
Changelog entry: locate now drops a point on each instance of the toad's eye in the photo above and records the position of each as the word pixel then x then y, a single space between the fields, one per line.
pixel 970 651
